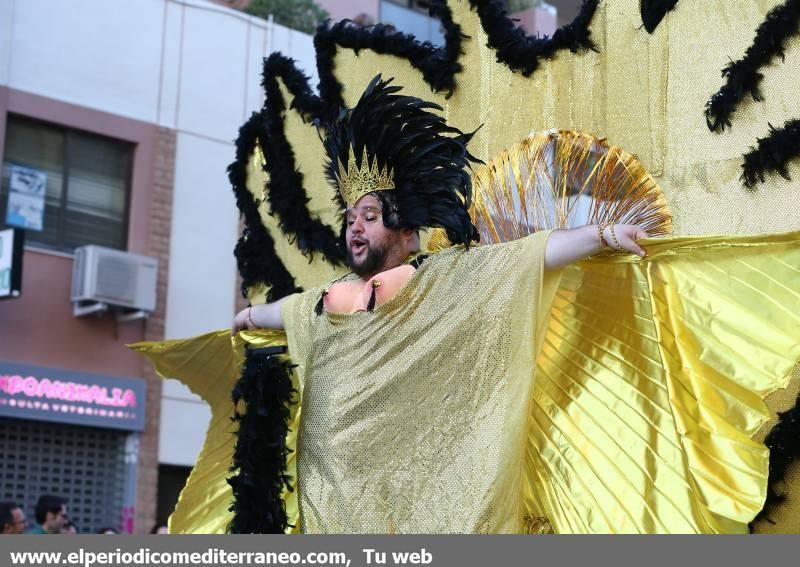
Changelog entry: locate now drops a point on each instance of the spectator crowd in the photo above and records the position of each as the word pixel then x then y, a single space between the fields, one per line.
pixel 51 518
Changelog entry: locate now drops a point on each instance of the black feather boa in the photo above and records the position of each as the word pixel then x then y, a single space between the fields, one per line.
pixel 522 52
pixel 286 196
pixel 438 64
pixel 784 447
pixel 743 77
pixel 259 459
pixel 653 11
pixel 772 154
pixel 255 251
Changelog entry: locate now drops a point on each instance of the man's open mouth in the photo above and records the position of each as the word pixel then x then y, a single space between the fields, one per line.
pixel 357 247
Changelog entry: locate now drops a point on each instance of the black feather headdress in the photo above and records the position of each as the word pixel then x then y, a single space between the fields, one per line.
pixel 419 162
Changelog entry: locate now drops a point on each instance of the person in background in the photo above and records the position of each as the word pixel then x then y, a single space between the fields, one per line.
pixel 12 519
pixel 51 515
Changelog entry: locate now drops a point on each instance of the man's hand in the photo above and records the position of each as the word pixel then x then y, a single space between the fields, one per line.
pixel 259 316
pixel 624 237
pixel 568 246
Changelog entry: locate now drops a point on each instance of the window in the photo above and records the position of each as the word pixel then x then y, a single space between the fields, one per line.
pixel 88 183
pixel 420 5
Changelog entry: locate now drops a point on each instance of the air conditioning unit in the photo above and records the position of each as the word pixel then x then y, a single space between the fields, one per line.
pixel 104 277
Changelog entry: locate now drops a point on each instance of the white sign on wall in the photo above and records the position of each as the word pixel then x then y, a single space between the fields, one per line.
pixel 10 262
pixel 27 190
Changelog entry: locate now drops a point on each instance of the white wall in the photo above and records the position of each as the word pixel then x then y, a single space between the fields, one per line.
pixel 6 39
pixel 189 65
pixel 102 55
pixel 152 60
pixel 201 280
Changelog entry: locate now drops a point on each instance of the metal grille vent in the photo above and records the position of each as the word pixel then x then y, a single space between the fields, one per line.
pixel 85 465
pixel 116 279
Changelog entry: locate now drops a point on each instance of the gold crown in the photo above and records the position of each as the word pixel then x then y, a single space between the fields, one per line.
pixel 356 182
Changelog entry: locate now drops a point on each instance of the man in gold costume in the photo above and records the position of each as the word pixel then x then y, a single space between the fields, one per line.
pixel 394 341
pixel 417 379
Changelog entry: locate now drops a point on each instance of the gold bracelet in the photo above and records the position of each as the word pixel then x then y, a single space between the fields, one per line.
pixel 614 237
pixel 250 317
pixel 600 228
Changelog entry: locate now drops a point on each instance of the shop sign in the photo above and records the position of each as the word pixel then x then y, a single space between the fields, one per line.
pixel 48 394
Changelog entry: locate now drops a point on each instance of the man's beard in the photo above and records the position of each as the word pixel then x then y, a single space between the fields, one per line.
pixel 374 260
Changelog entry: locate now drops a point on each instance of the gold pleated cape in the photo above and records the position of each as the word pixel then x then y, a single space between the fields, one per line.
pixel 651 385
pixel 649 389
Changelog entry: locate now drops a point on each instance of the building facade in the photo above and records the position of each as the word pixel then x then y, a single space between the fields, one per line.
pixel 123 115
pixel 411 16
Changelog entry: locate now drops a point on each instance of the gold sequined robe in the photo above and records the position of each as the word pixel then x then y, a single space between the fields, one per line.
pixel 414 414
pixel 656 380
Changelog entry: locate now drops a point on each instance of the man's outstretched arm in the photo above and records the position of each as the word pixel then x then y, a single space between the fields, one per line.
pixel 260 316
pixel 568 246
